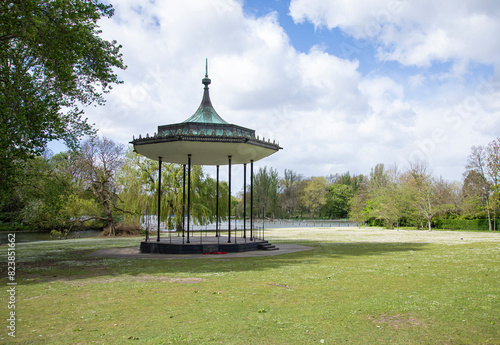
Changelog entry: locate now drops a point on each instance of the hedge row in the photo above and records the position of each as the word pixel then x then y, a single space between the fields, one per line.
pixel 463 224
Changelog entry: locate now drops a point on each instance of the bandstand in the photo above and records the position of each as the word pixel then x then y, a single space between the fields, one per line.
pixel 206 139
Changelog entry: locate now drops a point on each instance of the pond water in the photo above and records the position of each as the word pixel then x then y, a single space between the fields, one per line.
pixel 45 236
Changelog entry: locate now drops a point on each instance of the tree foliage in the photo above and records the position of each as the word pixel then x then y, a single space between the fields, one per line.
pixel 289 192
pixel 265 186
pixel 43 193
pixel 52 63
pixel 314 195
pixel 340 192
pixel 390 196
pixel 412 197
pixel 138 186
pixel 477 188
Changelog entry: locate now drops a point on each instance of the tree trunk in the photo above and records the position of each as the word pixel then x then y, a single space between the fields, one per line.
pixel 100 191
pixel 109 216
pixel 489 213
pixel 178 226
pixel 494 220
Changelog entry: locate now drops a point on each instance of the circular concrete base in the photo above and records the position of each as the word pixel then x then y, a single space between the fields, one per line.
pixel 203 245
pixel 134 253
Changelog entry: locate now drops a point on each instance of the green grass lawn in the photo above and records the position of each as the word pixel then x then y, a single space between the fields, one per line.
pixel 368 286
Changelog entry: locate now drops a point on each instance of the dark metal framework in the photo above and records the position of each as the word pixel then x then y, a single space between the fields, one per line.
pixel 188 206
pixel 159 197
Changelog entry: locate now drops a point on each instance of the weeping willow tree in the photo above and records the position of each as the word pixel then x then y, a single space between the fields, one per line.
pixel 138 186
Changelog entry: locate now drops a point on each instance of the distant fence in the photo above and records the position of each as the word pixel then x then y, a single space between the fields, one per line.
pixel 298 223
pixel 151 222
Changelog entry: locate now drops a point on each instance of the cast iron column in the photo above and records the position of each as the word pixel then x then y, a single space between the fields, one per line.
pixel 229 203
pixel 217 206
pixel 159 198
pixel 245 200
pixel 189 196
pixel 183 200
pixel 251 200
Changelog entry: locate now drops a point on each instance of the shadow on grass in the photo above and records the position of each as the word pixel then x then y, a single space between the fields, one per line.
pixel 75 265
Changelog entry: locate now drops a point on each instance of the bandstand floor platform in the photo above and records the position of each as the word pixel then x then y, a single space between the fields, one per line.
pixel 202 245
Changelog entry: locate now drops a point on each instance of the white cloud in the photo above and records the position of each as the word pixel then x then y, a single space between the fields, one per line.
pixel 327 116
pixel 413 32
pixel 416 80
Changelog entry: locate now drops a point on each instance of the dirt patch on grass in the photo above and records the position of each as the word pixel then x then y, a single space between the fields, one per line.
pixel 132 279
pixel 279 285
pixel 396 321
pixel 187 280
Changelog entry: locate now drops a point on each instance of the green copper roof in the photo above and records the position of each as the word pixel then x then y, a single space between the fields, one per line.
pixel 206 112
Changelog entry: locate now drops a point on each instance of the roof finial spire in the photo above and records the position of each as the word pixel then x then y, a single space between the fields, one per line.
pixel 206 81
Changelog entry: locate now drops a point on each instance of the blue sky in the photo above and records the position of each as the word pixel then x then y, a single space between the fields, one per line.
pixel 341 85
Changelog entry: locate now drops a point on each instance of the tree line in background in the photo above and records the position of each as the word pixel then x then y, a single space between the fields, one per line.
pixel 391 197
pixel 101 185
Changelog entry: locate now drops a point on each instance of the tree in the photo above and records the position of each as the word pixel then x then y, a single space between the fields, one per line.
pixel 314 194
pixel 476 172
pixel 289 191
pixel 475 202
pixel 43 194
pixel 390 199
pixel 265 186
pixel 204 198
pixel 354 181
pixel 358 211
pixel 51 196
pixel 98 163
pixel 52 62
pixel 137 183
pixel 430 197
pixel 338 200
pixel 340 192
pixel 493 165
pixel 138 186
pixel 377 183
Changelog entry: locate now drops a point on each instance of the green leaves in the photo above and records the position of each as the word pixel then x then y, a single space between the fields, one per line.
pixel 338 199
pixel 52 62
pixel 138 186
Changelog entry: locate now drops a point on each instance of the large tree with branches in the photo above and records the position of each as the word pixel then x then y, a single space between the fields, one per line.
pixel 53 62
pixel 98 163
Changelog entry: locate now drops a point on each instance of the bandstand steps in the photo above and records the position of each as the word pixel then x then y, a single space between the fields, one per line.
pixel 267 246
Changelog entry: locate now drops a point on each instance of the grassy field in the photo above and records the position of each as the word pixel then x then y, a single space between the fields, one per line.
pixel 368 286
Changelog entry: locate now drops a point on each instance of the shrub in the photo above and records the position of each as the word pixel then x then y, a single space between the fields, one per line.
pixel 463 224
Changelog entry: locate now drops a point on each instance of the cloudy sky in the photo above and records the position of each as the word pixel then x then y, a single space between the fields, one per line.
pixel 342 85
